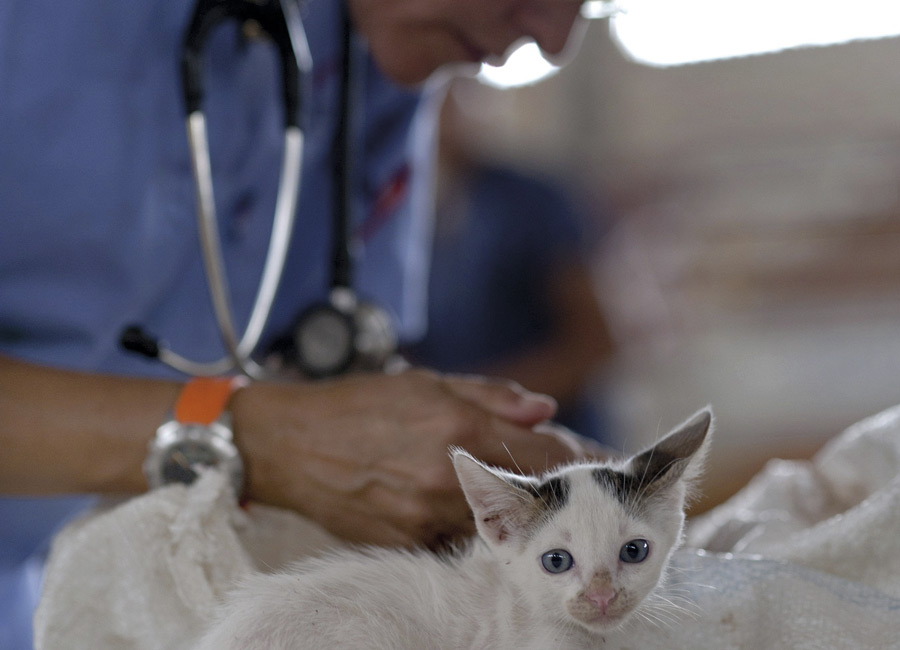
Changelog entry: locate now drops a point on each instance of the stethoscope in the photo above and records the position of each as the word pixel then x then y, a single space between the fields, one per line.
pixel 331 337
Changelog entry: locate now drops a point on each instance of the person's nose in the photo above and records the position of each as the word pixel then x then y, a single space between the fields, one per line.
pixel 549 22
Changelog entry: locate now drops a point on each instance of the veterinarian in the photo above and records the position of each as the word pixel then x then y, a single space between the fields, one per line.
pixel 100 211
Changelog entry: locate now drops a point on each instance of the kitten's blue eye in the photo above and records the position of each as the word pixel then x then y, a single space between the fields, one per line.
pixel 634 551
pixel 557 561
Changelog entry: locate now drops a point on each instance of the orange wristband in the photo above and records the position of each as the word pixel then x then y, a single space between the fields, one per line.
pixel 203 399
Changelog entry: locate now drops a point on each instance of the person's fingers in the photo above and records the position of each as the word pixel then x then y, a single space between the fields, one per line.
pixel 581 446
pixel 507 445
pixel 504 398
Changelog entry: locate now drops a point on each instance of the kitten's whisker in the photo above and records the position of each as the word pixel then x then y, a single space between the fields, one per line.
pixel 668 613
pixel 655 621
pixel 512 458
pixel 690 587
pixel 672 607
pixel 648 617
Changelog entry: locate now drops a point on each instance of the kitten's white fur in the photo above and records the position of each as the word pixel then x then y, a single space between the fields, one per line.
pixel 494 594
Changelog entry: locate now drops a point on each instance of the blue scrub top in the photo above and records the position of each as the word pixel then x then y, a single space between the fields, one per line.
pixel 98 207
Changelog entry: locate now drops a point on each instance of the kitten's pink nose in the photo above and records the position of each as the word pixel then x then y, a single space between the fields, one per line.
pixel 601 597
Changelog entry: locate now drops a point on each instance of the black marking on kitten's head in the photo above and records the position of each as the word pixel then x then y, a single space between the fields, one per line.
pixel 619 484
pixel 630 488
pixel 552 493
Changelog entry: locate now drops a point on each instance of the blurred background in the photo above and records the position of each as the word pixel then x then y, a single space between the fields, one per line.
pixel 749 257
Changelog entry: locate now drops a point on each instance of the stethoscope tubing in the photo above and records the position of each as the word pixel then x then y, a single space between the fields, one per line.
pixel 239 350
pixel 281 20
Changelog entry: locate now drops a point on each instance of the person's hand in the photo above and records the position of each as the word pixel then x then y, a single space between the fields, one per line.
pixel 367 456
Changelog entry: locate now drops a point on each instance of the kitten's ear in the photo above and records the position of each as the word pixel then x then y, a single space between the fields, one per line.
pixel 679 455
pixel 503 510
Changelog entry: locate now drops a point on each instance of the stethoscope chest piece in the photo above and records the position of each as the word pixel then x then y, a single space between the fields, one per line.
pixel 341 335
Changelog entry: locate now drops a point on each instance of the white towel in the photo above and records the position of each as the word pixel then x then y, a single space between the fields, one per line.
pixel 147 574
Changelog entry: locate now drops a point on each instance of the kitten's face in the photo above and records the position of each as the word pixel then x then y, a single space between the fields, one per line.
pixel 595 560
pixel 586 545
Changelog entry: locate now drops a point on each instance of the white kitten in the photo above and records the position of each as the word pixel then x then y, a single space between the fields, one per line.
pixel 562 560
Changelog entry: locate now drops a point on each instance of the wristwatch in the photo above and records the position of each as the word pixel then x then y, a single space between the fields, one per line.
pixel 198 435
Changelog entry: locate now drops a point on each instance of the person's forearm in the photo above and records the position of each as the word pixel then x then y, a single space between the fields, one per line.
pixel 366 455
pixel 67 432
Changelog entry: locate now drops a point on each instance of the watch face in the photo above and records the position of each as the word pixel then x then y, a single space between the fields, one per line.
pixel 182 457
pixel 179 451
